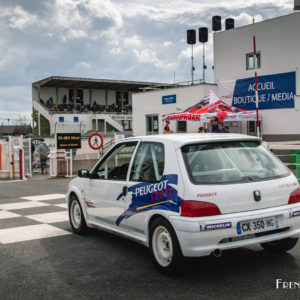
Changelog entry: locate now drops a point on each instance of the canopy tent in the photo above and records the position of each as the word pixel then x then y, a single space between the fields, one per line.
pixel 211 106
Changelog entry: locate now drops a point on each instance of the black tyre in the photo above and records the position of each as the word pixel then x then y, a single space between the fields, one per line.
pixel 164 247
pixel 76 216
pixel 280 246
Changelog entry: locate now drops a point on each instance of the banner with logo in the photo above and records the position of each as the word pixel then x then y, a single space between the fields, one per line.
pixel 274 91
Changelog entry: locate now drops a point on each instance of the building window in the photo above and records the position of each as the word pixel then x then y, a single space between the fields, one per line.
pixel 126 125
pixel 181 126
pixel 76 119
pixel 152 124
pixel 61 119
pixel 250 61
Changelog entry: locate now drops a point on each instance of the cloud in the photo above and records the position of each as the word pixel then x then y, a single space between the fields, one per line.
pixel 121 39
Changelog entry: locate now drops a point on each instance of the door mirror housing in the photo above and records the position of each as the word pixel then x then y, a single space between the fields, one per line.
pixel 83 173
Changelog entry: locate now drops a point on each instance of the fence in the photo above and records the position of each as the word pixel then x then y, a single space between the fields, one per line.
pixel 287 152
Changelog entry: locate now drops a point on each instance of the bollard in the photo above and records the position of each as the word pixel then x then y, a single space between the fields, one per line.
pixel 21 163
pixel 13 166
pixel 298 165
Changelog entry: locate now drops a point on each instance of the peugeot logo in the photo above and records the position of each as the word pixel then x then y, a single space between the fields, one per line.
pixel 257 196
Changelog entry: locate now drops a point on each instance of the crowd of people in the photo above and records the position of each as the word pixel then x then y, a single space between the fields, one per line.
pixel 69 107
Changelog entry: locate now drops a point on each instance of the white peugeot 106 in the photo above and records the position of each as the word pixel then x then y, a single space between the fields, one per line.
pixel 189 195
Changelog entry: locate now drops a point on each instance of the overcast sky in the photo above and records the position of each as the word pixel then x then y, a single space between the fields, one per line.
pixel 142 40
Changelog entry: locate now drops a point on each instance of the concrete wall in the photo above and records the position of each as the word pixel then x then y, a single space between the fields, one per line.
pixel 149 103
pixel 278 40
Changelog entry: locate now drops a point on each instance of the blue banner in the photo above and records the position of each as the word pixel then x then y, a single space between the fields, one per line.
pixel 169 99
pixel 274 91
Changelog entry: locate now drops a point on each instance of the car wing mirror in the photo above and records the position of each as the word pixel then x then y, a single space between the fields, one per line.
pixel 83 173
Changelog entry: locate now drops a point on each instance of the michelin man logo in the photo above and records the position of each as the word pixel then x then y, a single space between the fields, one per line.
pixel 148 196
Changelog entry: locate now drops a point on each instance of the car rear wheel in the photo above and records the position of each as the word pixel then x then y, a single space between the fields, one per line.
pixel 76 216
pixel 164 247
pixel 280 246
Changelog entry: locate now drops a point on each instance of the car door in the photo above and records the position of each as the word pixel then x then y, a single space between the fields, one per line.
pixel 146 186
pixel 103 192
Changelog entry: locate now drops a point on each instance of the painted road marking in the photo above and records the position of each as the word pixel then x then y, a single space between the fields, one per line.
pixel 27 233
pixel 21 205
pixel 45 197
pixel 48 218
pixel 8 215
pixel 63 205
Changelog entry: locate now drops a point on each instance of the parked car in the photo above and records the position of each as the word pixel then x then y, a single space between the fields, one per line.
pixel 189 195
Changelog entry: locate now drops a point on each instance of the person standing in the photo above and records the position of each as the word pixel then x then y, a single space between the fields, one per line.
pixel 32 155
pixel 167 127
pixel 214 122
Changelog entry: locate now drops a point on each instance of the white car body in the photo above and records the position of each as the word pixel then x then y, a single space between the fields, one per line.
pixel 129 214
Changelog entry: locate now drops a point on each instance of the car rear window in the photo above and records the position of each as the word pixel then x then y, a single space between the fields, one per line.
pixel 229 162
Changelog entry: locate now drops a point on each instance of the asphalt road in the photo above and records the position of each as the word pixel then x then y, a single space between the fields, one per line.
pixel 103 266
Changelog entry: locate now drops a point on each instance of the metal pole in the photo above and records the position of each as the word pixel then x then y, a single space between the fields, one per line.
pixel 298 165
pixel 192 64
pixel 21 163
pixel 0 157
pixel 71 163
pixel 39 121
pixel 203 63
pixel 10 155
pixel 13 166
pixel 256 90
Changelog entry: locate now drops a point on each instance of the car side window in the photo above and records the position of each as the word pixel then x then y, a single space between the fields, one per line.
pixel 148 164
pixel 115 166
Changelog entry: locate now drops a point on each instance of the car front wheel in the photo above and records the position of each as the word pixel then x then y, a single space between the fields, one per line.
pixel 164 247
pixel 280 246
pixel 76 216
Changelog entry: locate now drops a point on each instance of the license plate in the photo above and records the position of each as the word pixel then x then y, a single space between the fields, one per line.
pixel 257 225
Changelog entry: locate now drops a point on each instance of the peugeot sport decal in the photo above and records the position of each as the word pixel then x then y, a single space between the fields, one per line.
pixel 147 196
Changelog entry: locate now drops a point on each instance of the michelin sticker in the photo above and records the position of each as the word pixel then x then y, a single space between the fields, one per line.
pixel 216 226
pixel 147 196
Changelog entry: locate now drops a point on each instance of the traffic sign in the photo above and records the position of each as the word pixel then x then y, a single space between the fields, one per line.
pixel 95 141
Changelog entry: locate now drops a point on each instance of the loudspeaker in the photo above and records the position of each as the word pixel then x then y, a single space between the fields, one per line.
pixel 203 34
pixel 191 36
pixel 216 23
pixel 229 23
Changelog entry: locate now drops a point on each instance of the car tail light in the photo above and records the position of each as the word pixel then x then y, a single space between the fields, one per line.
pixel 198 209
pixel 295 196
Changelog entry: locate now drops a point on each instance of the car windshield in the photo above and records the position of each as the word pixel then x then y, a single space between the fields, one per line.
pixel 234 161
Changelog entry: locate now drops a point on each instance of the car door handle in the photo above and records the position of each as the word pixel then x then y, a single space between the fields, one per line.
pixel 124 191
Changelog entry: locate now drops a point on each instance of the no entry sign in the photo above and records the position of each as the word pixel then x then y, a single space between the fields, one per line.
pixel 95 141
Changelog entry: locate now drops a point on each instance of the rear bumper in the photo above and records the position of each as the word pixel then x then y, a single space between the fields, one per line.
pixel 201 236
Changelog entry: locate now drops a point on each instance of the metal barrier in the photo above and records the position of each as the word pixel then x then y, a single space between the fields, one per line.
pixel 61 164
pixel 288 145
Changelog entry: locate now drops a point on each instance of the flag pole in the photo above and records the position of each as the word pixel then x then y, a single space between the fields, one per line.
pixel 256 89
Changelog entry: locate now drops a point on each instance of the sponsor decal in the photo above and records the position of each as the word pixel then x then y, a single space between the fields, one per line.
pixel 204 195
pixel 147 196
pixel 294 213
pixel 286 185
pixel 216 226
pixel 88 203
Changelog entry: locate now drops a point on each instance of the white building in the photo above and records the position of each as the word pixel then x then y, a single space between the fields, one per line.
pixel 277 46
pixel 81 105
pixel 149 107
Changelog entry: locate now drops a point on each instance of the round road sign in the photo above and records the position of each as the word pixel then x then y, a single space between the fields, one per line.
pixel 95 141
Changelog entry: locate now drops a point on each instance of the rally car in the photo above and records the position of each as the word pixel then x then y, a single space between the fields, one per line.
pixel 189 195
